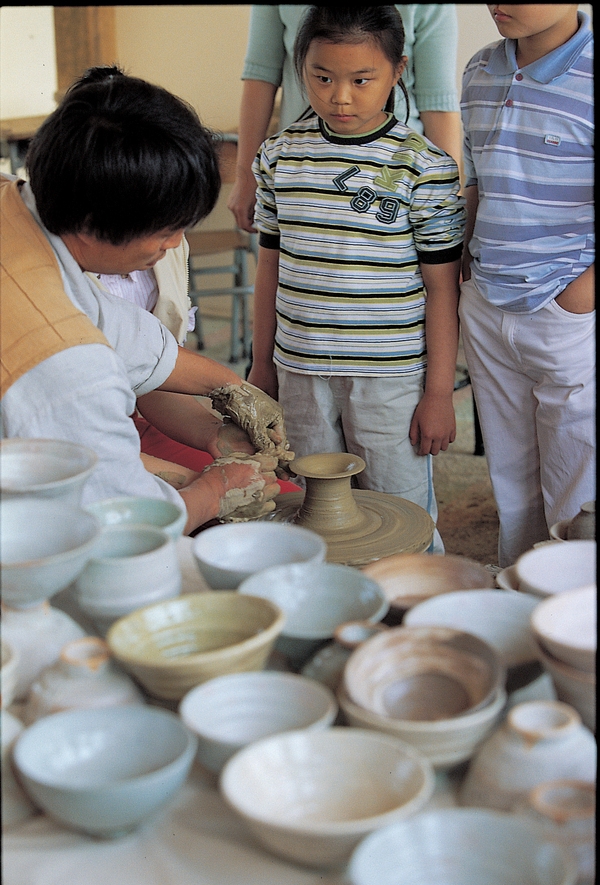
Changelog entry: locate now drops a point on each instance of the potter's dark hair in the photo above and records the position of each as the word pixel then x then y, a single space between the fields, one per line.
pixel 121 158
pixel 353 24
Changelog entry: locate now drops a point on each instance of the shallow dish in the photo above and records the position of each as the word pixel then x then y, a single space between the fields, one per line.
pixel 447 742
pixel 228 554
pixel 423 673
pixel 45 468
pixel 565 624
pixel 141 511
pixel 44 545
pixel 310 796
pixel 229 712
pixel 461 846
pixel 316 598
pixel 104 771
pixel 555 568
pixel 497 617
pixel 409 578
pixel 177 644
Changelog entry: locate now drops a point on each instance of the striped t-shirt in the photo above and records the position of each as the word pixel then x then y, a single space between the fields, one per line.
pixel 529 149
pixel 353 217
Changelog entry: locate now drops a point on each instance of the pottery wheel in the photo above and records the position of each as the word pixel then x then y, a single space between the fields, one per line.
pixel 390 525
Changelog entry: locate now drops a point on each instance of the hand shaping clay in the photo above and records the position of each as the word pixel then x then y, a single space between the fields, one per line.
pixel 251 502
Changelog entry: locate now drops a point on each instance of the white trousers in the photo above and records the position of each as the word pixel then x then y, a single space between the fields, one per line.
pixel 533 377
pixel 369 417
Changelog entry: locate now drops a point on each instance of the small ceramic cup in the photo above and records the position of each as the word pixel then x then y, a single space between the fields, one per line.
pixel 131 566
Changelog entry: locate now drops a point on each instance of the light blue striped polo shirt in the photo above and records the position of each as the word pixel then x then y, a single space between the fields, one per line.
pixel 529 149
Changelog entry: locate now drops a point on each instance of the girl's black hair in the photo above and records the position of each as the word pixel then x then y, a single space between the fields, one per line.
pixel 353 24
pixel 121 158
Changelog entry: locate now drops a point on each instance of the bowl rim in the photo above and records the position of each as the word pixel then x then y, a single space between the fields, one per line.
pixel 557 600
pixel 281 528
pixel 33 442
pixel 56 558
pixel 331 827
pixel 147 777
pixel 256 640
pixel 132 500
pixel 536 552
pixel 582 678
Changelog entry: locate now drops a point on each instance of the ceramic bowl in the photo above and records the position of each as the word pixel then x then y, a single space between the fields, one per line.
pixel 131 566
pixel 229 712
pixel 45 468
pixel 506 579
pixel 558 531
pixel 310 796
pixel 141 511
pixel 409 578
pixel 228 554
pixel 8 674
pixel 461 846
pixel 423 673
pixel 44 546
pixel 499 618
pixel 554 568
pixel 316 598
pixel 104 771
pixel 446 742
pixel 572 686
pixel 565 625
pixel 175 645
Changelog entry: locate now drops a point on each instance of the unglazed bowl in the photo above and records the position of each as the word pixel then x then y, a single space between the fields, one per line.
pixel 155 512
pixel 44 545
pixel 446 742
pixel 316 598
pixel 461 846
pixel 423 673
pixel 572 686
pixel 410 578
pixel 104 771
pixel 565 625
pixel 555 568
pixel 228 554
pixel 229 712
pixel 310 796
pixel 172 646
pixel 45 468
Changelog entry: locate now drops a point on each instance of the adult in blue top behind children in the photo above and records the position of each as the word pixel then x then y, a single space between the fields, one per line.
pixel 527 300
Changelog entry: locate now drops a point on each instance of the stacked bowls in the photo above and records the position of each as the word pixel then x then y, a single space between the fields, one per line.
pixel 439 689
pixel 564 628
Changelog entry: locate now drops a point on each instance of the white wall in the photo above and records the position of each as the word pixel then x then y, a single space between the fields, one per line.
pixel 27 61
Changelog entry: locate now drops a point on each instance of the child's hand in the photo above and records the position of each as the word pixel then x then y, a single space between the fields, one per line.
pixel 433 426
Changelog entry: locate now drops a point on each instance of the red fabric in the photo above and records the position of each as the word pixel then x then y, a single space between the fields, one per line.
pixel 156 443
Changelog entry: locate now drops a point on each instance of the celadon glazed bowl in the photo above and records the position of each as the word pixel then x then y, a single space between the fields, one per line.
pixel 141 511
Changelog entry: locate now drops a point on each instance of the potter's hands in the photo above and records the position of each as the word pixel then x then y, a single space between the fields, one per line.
pixel 245 485
pixel 258 414
pixel 433 426
pixel 228 439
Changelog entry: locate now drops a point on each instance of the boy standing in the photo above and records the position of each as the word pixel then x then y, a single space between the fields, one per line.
pixel 527 300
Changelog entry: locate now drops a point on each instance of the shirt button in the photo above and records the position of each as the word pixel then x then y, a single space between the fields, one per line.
pixel 509 103
pixel 518 76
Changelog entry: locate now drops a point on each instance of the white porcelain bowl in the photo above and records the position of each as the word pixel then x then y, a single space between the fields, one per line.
pixel 45 468
pixel 446 742
pixel 461 846
pixel 104 771
pixel 497 617
pixel 310 796
pixel 572 686
pixel 228 554
pixel 231 711
pixel 423 673
pixel 131 566
pixel 555 568
pixel 156 512
pixel 316 598
pixel 565 624
pixel 44 546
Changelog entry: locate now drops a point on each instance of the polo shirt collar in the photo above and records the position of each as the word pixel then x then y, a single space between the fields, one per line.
pixel 503 59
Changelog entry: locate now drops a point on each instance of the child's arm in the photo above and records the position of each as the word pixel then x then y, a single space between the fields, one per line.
pixel 433 426
pixel 262 373
pixel 472 200
pixel 579 296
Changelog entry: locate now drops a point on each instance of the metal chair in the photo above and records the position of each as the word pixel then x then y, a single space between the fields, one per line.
pixel 221 243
